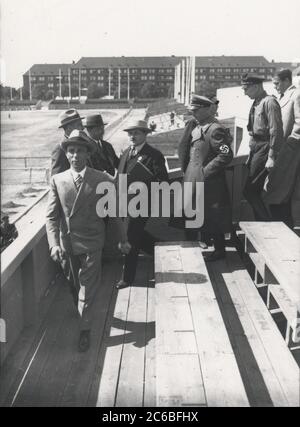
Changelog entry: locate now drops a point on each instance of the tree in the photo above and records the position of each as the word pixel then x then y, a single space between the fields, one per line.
pixel 123 91
pixel 206 88
pixel 50 95
pixel 149 90
pixel 95 91
pixel 38 91
pixel 171 91
pixel 64 90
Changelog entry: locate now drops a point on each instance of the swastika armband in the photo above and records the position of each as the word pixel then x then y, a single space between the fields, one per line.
pixel 224 149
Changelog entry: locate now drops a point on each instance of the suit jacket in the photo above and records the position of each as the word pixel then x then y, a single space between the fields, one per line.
pixel 151 158
pixel 105 158
pixel 59 161
pixel 71 219
pixel 290 110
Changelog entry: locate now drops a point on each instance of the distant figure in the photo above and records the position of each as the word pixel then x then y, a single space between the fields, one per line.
pixel 172 118
pixel 8 232
pixel 266 132
pixel 283 188
pixel 69 120
pixel 104 158
pixel 152 126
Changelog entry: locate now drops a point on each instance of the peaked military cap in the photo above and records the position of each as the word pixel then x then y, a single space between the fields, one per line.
pixel 79 137
pixel 94 120
pixel 251 79
pixel 68 116
pixel 198 101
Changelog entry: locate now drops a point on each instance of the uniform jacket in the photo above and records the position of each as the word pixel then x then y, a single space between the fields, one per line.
pixel 265 122
pixel 71 218
pixel 290 110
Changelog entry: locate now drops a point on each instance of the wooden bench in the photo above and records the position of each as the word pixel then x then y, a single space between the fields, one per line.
pixel 275 252
pixel 195 362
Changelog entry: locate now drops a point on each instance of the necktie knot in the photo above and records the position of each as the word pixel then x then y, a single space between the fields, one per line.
pixel 133 152
pixel 78 181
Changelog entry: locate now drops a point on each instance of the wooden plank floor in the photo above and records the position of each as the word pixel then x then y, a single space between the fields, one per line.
pixel 117 370
pixel 120 367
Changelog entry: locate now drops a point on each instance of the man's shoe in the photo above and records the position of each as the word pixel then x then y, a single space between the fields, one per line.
pixel 121 284
pixel 84 341
pixel 215 256
pixel 203 245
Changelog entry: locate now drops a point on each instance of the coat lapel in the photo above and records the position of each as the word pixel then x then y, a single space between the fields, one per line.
pixel 69 190
pixel 140 156
pixel 123 160
pixel 287 96
pixel 84 192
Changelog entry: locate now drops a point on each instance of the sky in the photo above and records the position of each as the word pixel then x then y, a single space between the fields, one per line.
pixel 59 31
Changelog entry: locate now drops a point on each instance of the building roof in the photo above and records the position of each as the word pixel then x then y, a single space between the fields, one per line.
pixel 232 61
pixel 289 65
pixel 48 69
pixel 128 61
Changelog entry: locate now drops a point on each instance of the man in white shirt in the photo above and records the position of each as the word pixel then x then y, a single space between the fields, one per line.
pixel 75 230
pixel 283 188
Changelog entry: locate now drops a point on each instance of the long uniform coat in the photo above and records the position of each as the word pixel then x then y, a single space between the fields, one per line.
pixel 204 155
pixel 284 179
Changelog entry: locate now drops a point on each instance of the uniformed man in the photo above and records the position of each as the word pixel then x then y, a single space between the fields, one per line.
pixel 104 158
pixel 283 189
pixel 204 152
pixel 265 129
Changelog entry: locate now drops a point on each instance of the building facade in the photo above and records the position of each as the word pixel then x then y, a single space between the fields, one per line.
pixel 128 77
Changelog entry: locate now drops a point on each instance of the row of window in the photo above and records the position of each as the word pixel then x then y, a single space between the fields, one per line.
pixel 230 70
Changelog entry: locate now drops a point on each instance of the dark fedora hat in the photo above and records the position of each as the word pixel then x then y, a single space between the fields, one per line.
pixel 79 137
pixel 68 116
pixel 138 124
pixel 94 120
pixel 198 101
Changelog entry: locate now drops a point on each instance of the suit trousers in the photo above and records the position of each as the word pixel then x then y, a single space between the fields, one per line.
pixel 139 239
pixel 86 273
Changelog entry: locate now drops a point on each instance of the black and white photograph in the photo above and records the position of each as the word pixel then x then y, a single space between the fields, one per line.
pixel 150 206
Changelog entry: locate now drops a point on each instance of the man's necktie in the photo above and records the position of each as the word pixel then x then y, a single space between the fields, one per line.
pixel 133 153
pixel 78 182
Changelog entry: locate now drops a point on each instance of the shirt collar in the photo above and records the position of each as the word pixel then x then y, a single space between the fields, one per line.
pixel 139 147
pixel 75 174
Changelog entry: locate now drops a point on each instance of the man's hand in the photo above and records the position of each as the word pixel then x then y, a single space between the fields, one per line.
pixel 57 254
pixel 270 163
pixel 124 247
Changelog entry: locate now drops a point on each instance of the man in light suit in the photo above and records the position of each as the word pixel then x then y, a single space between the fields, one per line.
pixel 283 187
pixel 143 163
pixel 74 229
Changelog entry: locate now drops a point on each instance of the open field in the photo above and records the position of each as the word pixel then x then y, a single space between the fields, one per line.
pixel 30 134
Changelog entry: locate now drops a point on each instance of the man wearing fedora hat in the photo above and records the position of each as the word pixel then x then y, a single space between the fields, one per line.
pixel 75 230
pixel 69 120
pixel 104 158
pixel 143 163
pixel 266 136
